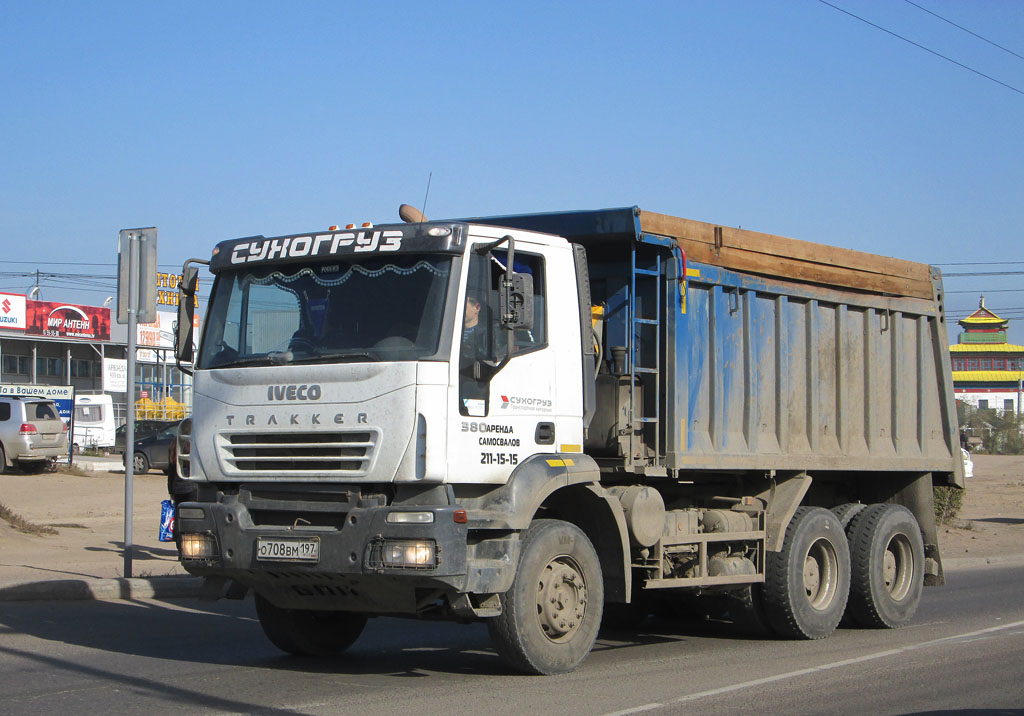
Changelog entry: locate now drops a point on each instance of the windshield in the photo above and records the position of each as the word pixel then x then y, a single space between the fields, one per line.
pixel 379 310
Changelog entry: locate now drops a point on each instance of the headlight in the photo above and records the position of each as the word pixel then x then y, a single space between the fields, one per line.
pixel 198 546
pixel 409 553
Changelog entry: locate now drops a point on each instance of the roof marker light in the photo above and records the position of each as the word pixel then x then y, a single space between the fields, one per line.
pixel 332 227
pixel 350 226
pixel 367 224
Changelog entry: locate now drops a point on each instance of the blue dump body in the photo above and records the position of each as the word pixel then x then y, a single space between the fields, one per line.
pixel 764 353
pixel 789 376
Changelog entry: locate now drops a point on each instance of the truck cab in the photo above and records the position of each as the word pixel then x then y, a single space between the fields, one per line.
pixel 395 354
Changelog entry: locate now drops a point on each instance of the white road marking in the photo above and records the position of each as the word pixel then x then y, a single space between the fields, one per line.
pixel 969 636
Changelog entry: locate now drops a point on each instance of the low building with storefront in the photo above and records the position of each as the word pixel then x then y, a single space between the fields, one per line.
pixel 63 344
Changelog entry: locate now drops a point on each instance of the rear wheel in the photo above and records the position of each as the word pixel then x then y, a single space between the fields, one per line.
pixel 807 583
pixel 551 615
pixel 845 513
pixel 887 557
pixel 3 460
pixel 305 632
pixel 140 463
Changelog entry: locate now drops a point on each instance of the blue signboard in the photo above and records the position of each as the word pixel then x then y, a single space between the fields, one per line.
pixel 62 395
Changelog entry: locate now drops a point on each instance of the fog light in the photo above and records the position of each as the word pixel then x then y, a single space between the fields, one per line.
pixel 409 553
pixel 410 518
pixel 198 546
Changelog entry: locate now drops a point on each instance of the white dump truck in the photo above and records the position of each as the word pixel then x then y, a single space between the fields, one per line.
pixel 545 420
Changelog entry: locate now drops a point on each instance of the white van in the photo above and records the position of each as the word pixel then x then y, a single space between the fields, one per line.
pixel 94 422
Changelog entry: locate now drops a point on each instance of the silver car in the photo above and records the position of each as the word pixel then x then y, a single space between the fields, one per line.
pixel 31 433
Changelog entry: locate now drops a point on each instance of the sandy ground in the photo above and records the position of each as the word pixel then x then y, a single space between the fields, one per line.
pixel 88 514
pixel 991 522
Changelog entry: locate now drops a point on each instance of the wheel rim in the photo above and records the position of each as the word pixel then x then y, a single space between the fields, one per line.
pixel 898 567
pixel 821 574
pixel 561 598
pixel 140 463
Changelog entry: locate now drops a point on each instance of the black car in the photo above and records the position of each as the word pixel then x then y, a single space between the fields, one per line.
pixel 143 428
pixel 152 450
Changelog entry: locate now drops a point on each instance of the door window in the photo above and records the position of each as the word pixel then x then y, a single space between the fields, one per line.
pixel 485 344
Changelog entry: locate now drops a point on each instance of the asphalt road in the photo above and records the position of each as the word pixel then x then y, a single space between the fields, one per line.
pixel 962 653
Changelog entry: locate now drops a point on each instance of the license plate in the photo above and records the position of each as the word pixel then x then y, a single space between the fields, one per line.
pixel 276 549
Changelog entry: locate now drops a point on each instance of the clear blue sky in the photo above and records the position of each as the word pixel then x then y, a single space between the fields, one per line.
pixel 218 120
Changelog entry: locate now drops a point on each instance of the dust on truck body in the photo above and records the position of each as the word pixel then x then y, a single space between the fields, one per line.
pixel 545 420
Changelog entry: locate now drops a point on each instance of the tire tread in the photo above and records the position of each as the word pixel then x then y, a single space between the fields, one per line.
pixel 780 603
pixel 863 608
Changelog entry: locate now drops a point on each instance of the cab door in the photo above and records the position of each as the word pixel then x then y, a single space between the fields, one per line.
pixel 515 394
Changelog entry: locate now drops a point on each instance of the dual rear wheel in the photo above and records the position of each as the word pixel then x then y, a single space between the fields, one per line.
pixel 866 563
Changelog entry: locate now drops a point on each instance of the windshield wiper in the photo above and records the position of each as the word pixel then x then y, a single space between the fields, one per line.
pixel 340 357
pixel 272 358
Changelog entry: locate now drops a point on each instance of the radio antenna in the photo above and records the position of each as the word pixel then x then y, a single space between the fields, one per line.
pixel 424 212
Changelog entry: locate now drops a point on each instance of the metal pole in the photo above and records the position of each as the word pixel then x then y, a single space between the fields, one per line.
pixel 129 435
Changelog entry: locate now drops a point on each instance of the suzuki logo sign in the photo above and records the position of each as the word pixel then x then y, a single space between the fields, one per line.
pixel 12 311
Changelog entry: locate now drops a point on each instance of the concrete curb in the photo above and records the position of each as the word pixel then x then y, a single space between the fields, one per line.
pixel 97 465
pixel 174 587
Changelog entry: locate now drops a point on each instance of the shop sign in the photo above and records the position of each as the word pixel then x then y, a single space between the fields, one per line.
pixel 64 320
pixel 12 311
pixel 62 395
pixel 115 375
pixel 167 289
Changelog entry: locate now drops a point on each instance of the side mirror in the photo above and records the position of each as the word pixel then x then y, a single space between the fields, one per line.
pixel 516 301
pixel 186 314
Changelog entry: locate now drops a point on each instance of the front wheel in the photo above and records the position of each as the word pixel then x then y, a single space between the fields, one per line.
pixel 887 556
pixel 807 583
pixel 305 632
pixel 551 615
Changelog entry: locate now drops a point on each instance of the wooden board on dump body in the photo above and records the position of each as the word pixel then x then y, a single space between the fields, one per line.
pixel 780 257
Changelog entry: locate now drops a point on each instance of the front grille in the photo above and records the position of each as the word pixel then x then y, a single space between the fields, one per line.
pixel 347 453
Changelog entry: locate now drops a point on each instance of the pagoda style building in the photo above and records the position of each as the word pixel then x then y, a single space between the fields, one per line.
pixel 987 371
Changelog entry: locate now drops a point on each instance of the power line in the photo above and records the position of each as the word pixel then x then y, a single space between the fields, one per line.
pixel 991 290
pixel 920 46
pixel 77 263
pixel 983 263
pixel 961 27
pixel 56 263
pixel 983 273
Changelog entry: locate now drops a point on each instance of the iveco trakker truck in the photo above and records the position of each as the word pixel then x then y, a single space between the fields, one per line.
pixel 543 420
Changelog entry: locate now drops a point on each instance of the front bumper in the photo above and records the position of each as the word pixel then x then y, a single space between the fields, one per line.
pixel 349 574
